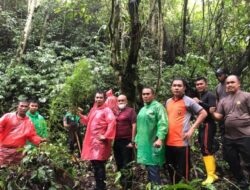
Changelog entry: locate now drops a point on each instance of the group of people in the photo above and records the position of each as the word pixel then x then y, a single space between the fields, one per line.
pixel 25 126
pixel 159 133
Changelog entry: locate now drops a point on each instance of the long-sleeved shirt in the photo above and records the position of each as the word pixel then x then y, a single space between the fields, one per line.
pixel 152 124
pixel 39 123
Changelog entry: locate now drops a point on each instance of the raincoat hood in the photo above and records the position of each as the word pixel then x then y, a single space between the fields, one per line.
pixel 109 93
pixel 111 102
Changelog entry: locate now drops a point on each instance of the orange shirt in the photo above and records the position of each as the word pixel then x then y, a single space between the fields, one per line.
pixel 179 113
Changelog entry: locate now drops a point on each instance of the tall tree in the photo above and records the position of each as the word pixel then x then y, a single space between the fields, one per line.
pixel 160 44
pixel 45 24
pixel 184 25
pixel 32 4
pixel 130 76
pixel 126 69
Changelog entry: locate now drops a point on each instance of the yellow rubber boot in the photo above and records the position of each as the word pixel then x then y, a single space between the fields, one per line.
pixel 210 168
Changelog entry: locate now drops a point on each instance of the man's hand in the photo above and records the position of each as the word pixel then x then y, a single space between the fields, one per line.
pixel 79 110
pixel 43 140
pixel 188 134
pixel 102 137
pixel 135 145
pixel 215 115
pixel 157 143
pixel 130 145
pixel 212 110
pixel 196 100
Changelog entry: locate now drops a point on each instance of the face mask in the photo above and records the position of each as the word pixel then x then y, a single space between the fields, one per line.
pixel 121 106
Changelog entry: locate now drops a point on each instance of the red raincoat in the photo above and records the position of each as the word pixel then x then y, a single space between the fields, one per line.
pixel 100 121
pixel 14 132
pixel 111 102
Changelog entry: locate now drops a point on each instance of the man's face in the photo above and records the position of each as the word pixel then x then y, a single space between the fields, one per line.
pixel 201 86
pixel 232 84
pixel 221 77
pixel 99 99
pixel 178 88
pixel 147 95
pixel 22 108
pixel 122 101
pixel 33 107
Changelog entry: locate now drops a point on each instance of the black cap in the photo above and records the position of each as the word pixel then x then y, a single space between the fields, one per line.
pixel 220 71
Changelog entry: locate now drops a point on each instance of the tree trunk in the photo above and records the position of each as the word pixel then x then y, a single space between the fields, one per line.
pixel 45 23
pixel 184 25
pixel 126 68
pixel 153 21
pixel 115 37
pixel 213 18
pixel 218 29
pixel 20 51
pixel 243 63
pixel 203 46
pixel 130 77
pixel 160 45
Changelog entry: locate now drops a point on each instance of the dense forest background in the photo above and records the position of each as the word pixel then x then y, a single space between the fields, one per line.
pixel 61 51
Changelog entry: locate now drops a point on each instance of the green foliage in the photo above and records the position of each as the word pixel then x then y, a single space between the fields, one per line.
pixel 8 30
pixel 193 66
pixel 76 92
pixel 117 177
pixel 75 58
pixel 79 86
pixel 178 186
pixel 36 78
pixel 46 167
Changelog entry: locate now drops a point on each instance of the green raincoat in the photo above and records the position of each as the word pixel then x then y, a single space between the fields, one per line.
pixel 40 124
pixel 69 117
pixel 151 124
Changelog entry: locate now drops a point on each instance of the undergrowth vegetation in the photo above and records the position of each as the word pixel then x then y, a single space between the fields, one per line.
pixel 68 57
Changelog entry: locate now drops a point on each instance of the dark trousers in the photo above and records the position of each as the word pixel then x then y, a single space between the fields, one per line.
pixel 221 125
pixel 207 142
pixel 234 150
pixel 154 174
pixel 74 137
pixel 99 173
pixel 178 163
pixel 123 156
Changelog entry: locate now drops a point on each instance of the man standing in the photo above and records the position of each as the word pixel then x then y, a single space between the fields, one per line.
pixel 220 89
pixel 72 123
pixel 124 138
pixel 38 120
pixel 235 110
pixel 15 129
pixel 100 132
pixel 221 93
pixel 207 129
pixel 151 130
pixel 179 110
